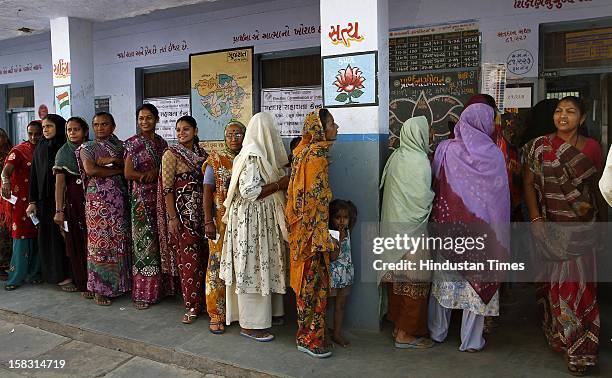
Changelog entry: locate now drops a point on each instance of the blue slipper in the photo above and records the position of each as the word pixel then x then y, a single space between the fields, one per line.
pixel 418 343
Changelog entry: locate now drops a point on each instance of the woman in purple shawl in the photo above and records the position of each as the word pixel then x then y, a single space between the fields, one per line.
pixel 472 199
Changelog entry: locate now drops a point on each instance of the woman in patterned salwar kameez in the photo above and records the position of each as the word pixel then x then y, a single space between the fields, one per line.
pixel 253 255
pixel 70 202
pixel 25 262
pixel 183 249
pixel 106 212
pixel 6 241
pixel 311 245
pixel 217 174
pixel 560 182
pixel 143 154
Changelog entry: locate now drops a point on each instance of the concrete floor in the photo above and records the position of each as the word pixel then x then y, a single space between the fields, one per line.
pixel 516 349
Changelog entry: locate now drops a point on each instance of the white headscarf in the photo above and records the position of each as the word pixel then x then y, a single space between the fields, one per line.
pixel 262 140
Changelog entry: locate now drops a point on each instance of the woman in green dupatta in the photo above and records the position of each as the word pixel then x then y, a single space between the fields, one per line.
pixel 70 202
pixel 407 203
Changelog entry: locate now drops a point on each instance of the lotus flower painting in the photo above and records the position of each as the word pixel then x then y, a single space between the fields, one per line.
pixel 350 84
pixel 350 80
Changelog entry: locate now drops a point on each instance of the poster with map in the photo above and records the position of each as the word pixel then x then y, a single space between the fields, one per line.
pixel 221 89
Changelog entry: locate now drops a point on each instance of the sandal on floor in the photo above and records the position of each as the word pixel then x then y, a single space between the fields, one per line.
pixel 101 300
pixel 69 287
pixel 577 370
pixel 418 343
pixel 316 353
pixel 258 335
pixel 87 294
pixel 10 287
pixel 189 317
pixel 472 350
pixel 220 327
pixel 141 305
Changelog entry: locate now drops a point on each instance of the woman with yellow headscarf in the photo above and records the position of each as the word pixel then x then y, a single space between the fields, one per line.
pixel 310 243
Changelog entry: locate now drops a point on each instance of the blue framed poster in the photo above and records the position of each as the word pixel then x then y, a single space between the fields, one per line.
pixel 350 80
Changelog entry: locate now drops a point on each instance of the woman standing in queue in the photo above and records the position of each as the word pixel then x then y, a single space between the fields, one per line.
pixel 70 202
pixel 25 262
pixel 182 246
pixel 311 245
pixel 560 181
pixel 143 155
pixel 51 248
pixel 217 174
pixel 253 255
pixel 106 214
pixel 6 209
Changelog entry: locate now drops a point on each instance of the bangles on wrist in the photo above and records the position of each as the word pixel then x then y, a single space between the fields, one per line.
pixel 277 186
pixel 537 219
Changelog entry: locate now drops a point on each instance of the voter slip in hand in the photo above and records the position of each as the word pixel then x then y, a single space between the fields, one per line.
pixel 12 200
pixel 34 219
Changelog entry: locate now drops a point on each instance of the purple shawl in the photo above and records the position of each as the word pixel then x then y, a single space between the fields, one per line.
pixel 475 169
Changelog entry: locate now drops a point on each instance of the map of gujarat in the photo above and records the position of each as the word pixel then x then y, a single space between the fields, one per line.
pixel 221 95
pixel 221 90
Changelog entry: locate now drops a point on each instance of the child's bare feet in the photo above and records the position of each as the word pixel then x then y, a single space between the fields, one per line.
pixel 338 339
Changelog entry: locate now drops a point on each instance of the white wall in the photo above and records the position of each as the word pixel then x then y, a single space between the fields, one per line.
pixel 33 52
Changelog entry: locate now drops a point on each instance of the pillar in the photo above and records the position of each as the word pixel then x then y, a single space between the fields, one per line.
pixel 73 71
pixel 351 38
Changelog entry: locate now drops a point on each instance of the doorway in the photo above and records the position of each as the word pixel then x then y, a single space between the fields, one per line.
pixel 18 124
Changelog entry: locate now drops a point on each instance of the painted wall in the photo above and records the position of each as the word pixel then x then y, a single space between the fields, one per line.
pixel 274 26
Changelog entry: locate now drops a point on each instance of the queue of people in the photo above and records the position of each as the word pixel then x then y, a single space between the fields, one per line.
pixel 231 229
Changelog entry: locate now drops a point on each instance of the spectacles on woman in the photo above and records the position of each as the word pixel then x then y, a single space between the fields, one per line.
pixel 236 136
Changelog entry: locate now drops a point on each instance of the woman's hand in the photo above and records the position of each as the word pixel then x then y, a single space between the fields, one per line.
pixel 283 183
pixel 210 230
pixel 31 209
pixel 6 190
pixel 538 229
pixel 173 226
pixel 149 176
pixel 59 219
pixel 336 252
pixel 104 161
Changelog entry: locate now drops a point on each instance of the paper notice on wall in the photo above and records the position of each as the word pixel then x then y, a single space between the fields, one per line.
pixel 290 106
pixel 517 98
pixel 170 109
pixel 494 82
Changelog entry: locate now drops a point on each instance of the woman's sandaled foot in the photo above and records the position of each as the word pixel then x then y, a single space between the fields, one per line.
pixel 10 287
pixel 260 335
pixel 69 287
pixel 101 300
pixel 316 353
pixel 577 370
pixel 216 327
pixel 338 339
pixel 87 294
pixel 415 343
pixel 190 316
pixel 472 350
pixel 141 305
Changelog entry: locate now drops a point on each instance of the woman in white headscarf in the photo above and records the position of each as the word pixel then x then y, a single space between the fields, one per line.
pixel 253 255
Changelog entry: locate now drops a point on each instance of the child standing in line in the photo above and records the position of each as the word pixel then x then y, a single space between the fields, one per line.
pixel 342 218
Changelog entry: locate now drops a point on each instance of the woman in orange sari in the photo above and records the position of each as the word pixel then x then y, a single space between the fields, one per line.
pixel 217 171
pixel 307 211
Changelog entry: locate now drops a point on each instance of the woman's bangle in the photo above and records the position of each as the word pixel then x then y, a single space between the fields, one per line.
pixel 537 219
pixel 57 211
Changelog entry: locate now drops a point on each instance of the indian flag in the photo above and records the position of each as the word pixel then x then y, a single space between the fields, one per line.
pixel 63 99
